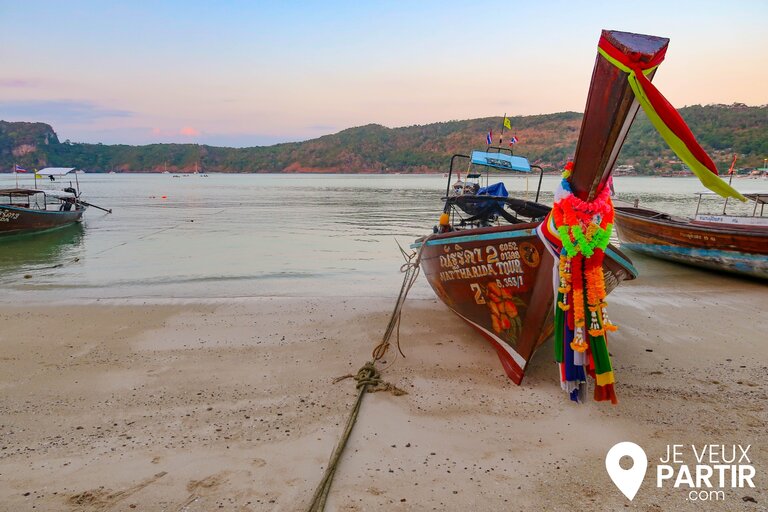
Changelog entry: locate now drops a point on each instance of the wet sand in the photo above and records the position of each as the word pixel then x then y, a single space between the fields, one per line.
pixel 230 405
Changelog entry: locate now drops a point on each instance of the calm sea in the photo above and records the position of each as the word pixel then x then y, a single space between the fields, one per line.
pixel 227 236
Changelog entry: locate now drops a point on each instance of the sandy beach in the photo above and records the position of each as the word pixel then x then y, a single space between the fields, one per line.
pixel 202 405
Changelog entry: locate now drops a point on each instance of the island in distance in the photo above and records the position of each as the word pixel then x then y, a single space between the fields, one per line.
pixel 548 140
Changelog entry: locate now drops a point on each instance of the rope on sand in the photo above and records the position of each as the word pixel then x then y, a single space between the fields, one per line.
pixel 368 377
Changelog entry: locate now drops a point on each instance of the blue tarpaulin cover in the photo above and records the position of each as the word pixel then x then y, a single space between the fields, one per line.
pixel 497 190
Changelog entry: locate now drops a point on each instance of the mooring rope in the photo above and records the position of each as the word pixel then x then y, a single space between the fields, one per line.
pixel 368 377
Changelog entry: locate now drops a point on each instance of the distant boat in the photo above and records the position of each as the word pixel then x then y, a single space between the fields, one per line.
pixel 729 243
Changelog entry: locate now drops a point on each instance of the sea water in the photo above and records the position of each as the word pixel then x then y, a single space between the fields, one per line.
pixel 252 235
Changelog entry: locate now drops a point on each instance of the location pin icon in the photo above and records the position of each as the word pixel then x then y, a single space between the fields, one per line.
pixel 627 480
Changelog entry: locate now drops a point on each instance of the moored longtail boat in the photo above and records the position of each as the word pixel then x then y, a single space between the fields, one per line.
pixel 576 231
pixel 25 210
pixel 499 278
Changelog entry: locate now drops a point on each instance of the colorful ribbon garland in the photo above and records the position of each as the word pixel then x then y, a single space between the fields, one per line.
pixel 579 232
pixel 665 117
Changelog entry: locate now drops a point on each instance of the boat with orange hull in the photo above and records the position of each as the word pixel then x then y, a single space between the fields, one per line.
pixel 727 243
pixel 487 259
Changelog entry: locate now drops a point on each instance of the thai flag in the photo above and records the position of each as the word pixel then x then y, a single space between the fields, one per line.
pixel 513 140
pixel 20 169
pixel 489 138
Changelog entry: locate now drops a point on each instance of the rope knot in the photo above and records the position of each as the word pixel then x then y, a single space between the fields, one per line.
pixel 368 375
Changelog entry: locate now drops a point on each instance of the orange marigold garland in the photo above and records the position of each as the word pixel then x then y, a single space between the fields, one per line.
pixel 581 320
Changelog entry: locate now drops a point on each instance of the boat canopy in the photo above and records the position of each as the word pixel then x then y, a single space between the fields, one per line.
pixel 19 192
pixel 60 194
pixel 55 171
pixel 501 161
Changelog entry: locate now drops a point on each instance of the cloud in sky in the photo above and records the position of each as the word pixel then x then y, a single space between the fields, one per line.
pixel 59 111
pixel 15 83
pixel 323 128
pixel 188 131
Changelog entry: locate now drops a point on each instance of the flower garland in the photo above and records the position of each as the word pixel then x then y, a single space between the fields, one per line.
pixel 584 229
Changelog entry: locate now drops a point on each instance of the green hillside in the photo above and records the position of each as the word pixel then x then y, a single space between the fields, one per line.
pixel 548 140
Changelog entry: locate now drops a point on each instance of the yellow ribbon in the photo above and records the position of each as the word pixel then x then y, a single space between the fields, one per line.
pixel 707 178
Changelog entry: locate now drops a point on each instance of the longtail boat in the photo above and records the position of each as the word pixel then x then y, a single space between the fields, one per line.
pixel 503 280
pixel 24 210
pixel 498 277
pixel 728 243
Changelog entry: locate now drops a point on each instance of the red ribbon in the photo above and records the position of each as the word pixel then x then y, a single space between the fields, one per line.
pixel 663 108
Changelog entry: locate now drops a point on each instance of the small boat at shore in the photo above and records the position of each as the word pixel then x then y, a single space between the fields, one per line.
pixel 24 210
pixel 727 243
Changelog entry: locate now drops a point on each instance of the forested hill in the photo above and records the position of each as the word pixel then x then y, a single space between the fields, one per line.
pixel 548 140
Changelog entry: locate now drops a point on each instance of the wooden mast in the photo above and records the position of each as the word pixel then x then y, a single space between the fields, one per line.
pixel 611 108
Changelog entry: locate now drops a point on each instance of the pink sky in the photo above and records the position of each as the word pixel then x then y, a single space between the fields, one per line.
pixel 252 74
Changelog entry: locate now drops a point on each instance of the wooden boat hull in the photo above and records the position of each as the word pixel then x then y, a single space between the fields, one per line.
pixel 15 220
pixel 738 250
pixel 500 281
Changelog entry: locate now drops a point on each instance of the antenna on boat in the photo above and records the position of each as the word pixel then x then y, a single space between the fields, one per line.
pixel 730 179
pixel 731 169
